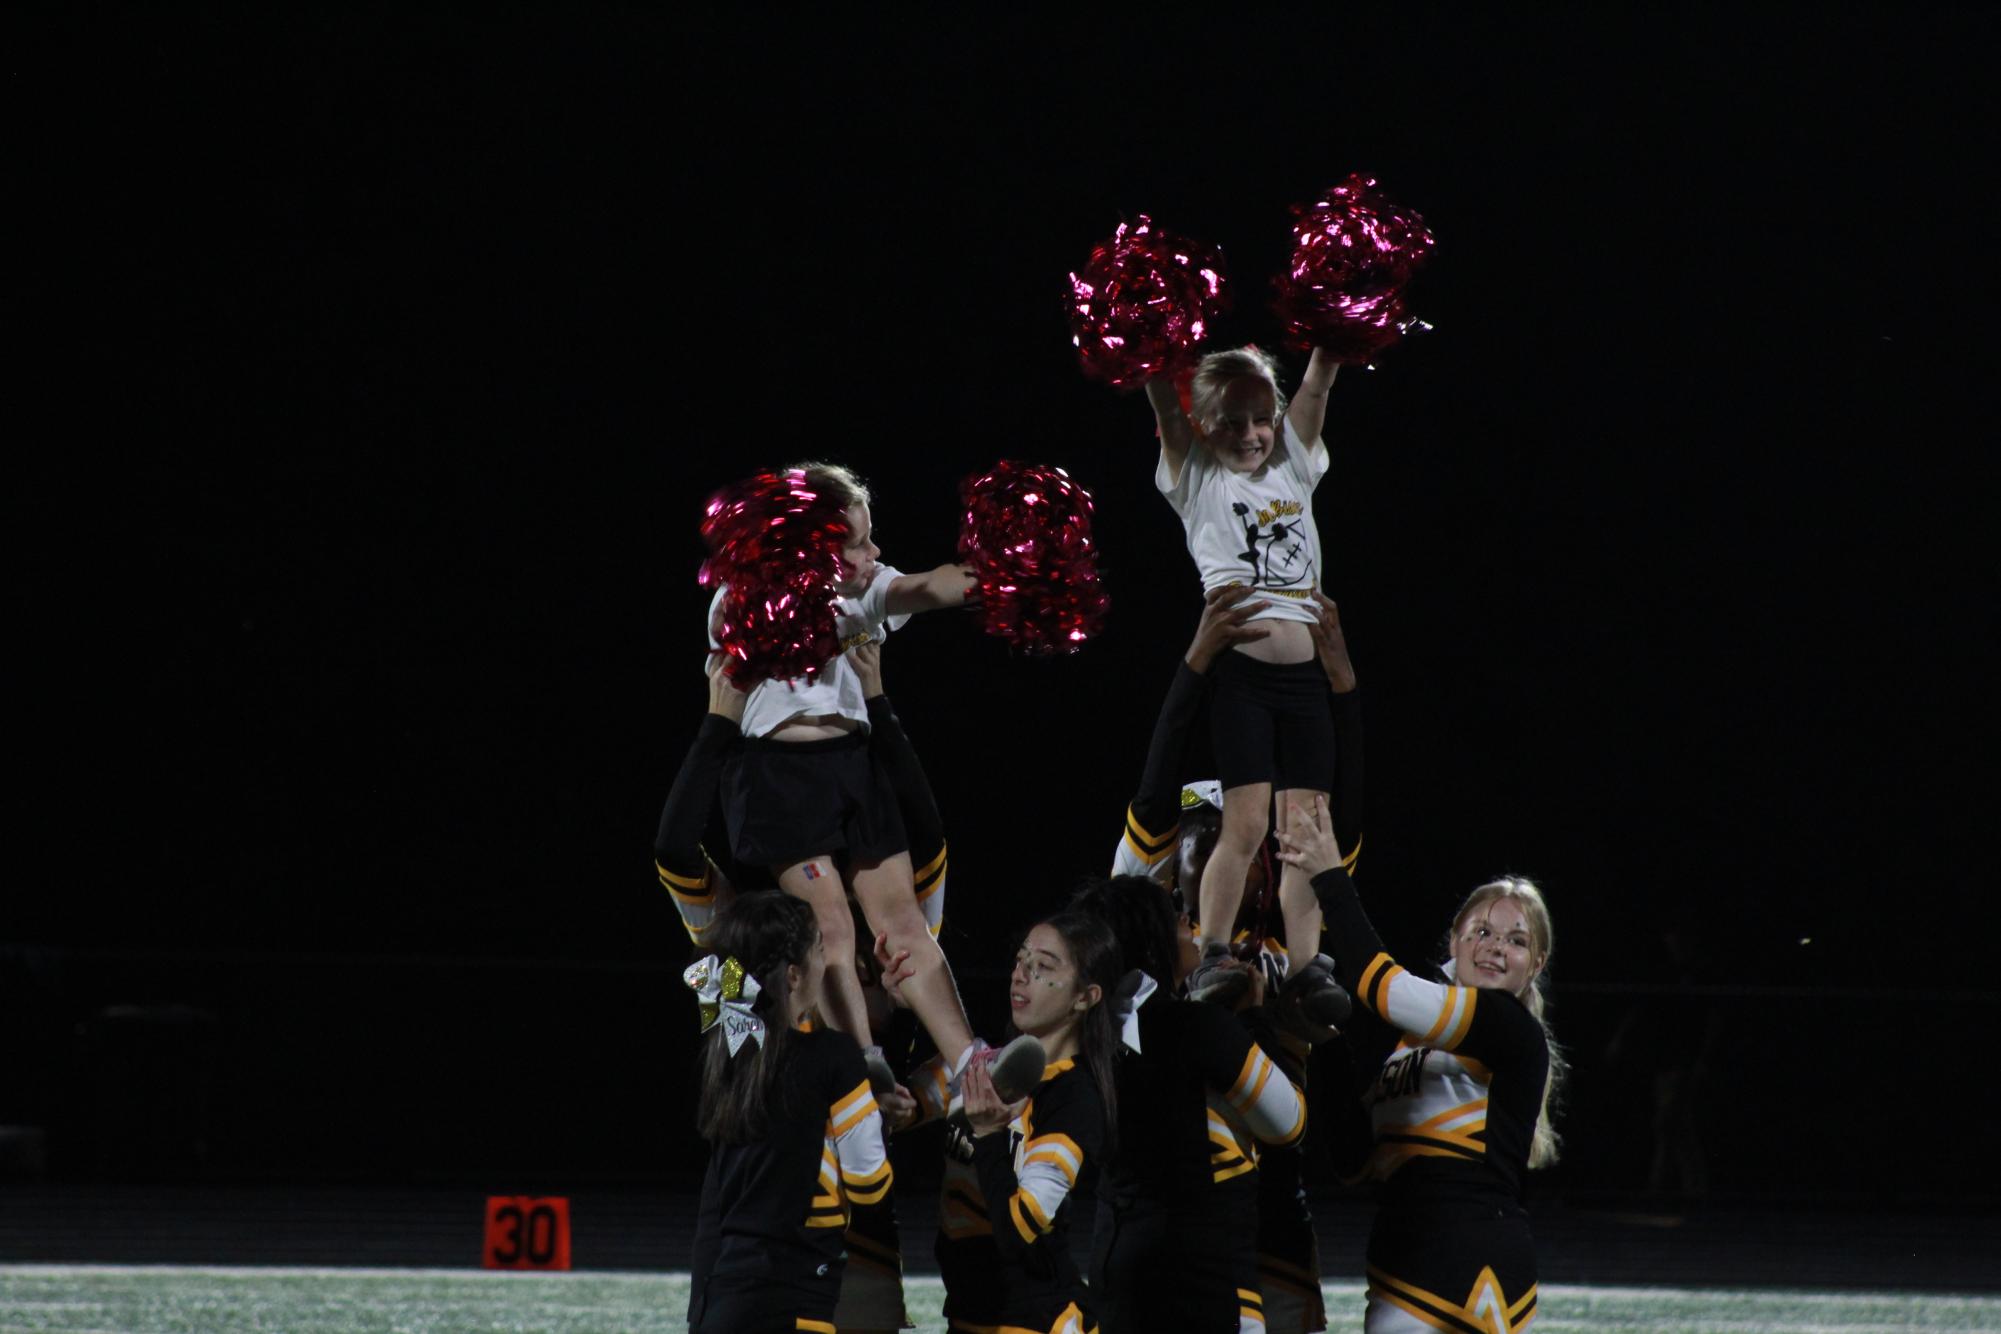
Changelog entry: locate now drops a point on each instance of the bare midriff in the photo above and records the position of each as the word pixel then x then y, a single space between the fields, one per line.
pixel 1288 642
pixel 813 727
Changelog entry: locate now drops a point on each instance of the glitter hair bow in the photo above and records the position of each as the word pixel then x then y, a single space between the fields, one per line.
pixel 1134 988
pixel 726 993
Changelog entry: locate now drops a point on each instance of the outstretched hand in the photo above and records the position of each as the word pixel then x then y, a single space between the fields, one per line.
pixel 1307 838
pixel 1331 644
pixel 985 1112
pixel 1225 613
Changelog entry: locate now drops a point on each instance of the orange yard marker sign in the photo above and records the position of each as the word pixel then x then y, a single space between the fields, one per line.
pixel 527 1232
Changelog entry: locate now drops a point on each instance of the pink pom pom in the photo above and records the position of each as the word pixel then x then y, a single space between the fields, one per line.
pixel 775 543
pixel 1353 253
pixel 1027 536
pixel 1144 303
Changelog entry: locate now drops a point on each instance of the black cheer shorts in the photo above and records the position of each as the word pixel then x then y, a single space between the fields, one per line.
pixel 1271 723
pixel 785 801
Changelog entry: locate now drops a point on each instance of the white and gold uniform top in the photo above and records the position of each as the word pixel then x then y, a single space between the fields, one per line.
pixel 836 691
pixel 1255 529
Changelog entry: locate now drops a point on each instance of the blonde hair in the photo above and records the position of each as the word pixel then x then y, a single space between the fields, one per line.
pixel 1547 1145
pixel 842 483
pixel 1219 370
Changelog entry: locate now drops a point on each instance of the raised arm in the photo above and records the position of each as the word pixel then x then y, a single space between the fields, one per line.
pixel 1153 819
pixel 1485 1023
pixel 1177 434
pixel 1332 648
pixel 697 885
pixel 1307 412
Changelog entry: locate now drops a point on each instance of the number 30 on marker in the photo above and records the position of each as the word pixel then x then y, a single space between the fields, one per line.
pixel 527 1232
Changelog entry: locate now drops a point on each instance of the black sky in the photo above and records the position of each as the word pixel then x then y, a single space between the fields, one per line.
pixel 382 364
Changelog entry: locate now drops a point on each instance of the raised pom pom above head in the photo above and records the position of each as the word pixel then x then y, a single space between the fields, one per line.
pixel 775 544
pixel 1027 536
pixel 1143 304
pixel 1353 253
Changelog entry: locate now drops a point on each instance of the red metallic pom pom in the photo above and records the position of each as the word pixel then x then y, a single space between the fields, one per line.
pixel 1144 303
pixel 1027 536
pixel 1353 253
pixel 775 543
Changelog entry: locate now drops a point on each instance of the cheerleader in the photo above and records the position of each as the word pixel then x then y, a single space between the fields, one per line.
pixel 1010 1169
pixel 802 788
pixel 1461 1107
pixel 794 1134
pixel 871 1300
pixel 1239 466
pixel 1176 1244
pixel 1169 834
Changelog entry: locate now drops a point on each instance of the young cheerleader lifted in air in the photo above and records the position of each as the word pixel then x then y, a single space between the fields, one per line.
pixel 804 787
pixel 1240 466
pixel 872 1285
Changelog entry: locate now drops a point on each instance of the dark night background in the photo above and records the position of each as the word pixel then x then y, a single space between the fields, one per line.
pixel 380 364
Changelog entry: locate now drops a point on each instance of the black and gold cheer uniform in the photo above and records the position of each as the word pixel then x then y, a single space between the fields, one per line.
pixel 1454 1110
pixel 1176 1244
pixel 1004 1219
pixel 768 1237
pixel 1288 1250
pixel 872 1291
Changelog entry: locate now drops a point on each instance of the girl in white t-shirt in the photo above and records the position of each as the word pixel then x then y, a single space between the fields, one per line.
pixel 803 788
pixel 1239 467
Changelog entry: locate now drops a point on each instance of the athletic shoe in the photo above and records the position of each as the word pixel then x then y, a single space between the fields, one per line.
pixel 1219 977
pixel 1016 1068
pixel 1313 993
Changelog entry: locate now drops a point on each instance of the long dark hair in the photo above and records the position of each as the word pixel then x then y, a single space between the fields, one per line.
pixel 1095 952
pixel 764 932
pixel 1141 917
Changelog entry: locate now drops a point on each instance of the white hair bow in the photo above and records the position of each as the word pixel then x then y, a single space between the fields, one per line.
pixel 1134 988
pixel 726 993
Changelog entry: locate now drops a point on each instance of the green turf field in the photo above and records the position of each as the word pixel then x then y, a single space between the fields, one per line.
pixel 103 1299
